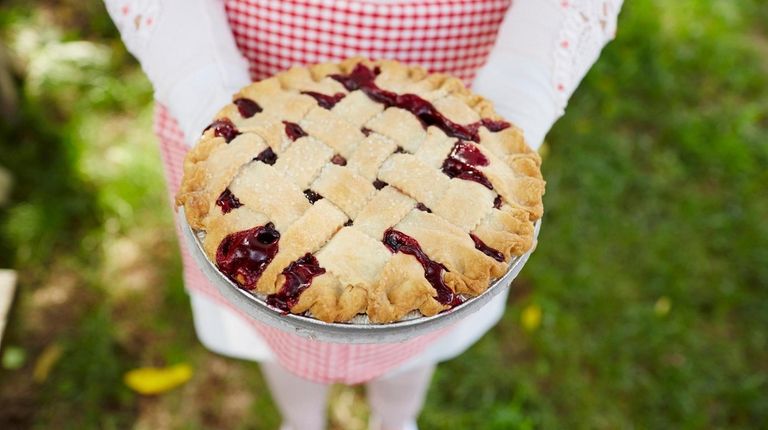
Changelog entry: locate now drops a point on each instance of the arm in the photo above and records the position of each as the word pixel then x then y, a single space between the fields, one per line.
pixel 187 50
pixel 544 49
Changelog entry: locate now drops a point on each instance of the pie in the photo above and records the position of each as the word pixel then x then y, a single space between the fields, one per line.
pixel 365 187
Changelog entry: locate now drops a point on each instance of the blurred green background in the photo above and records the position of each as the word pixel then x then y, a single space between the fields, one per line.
pixel 645 305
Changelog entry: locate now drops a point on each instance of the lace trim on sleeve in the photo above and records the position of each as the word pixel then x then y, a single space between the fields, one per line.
pixel 587 26
pixel 136 20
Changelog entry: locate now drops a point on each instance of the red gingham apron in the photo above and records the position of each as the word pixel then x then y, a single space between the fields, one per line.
pixel 453 36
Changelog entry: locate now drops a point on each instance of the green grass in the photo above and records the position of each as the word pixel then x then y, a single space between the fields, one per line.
pixel 651 270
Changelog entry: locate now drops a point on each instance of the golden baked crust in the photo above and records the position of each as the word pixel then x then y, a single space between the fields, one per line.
pixel 335 199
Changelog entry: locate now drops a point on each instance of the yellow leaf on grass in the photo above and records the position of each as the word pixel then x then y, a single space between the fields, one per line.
pixel 156 380
pixel 662 306
pixel 531 317
pixel 45 361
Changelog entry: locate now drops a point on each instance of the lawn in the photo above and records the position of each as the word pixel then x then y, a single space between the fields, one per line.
pixel 644 306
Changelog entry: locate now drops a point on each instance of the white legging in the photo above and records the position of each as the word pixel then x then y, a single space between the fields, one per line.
pixel 395 400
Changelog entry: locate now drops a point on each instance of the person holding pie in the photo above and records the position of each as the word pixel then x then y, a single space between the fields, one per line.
pixel 350 172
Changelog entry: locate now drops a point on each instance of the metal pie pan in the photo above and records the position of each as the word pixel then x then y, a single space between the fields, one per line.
pixel 359 330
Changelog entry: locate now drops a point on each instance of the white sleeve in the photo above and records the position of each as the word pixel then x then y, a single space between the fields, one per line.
pixel 544 49
pixel 187 50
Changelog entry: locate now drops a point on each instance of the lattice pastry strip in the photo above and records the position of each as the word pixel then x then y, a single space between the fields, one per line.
pixel 370 154
pixel 400 126
pixel 282 201
pixel 520 190
pixel 302 162
pixel 332 130
pixel 464 204
pixel 414 178
pixel 357 108
pixel 507 143
pixel 308 234
pixel 302 79
pixel 275 101
pixel 384 210
pixel 355 265
pixel 469 270
pixel 478 199
pixel 435 148
pixel 199 190
pixel 451 106
pixel 271 129
pixel 352 262
pixel 400 289
pixel 362 187
pixel 265 117
pixel 354 258
pixel 346 189
pixel 266 93
pixel 394 77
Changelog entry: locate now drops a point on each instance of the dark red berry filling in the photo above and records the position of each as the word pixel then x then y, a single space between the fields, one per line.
pixel 247 107
pixel 298 277
pixel 366 131
pixel 348 223
pixel 457 169
pixel 398 241
pixel 323 100
pixel 494 125
pixel 339 160
pixel 468 153
pixel 379 184
pixel 422 207
pixel 267 156
pixel 461 161
pixel 243 256
pixel 399 150
pixel 497 202
pixel 227 201
pixel 487 250
pixel 294 131
pixel 362 78
pixel 312 196
pixel 223 127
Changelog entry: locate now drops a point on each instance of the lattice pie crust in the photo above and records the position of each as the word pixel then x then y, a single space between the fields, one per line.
pixel 362 187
